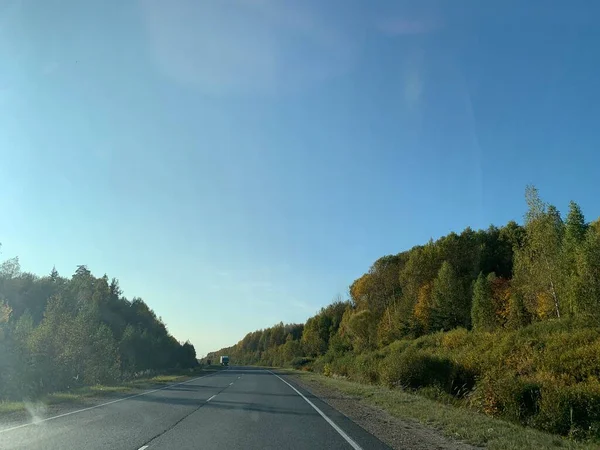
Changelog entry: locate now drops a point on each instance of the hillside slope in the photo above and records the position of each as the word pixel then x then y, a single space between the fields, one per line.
pixel 502 320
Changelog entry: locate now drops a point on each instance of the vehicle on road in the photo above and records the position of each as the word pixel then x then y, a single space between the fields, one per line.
pixel 224 360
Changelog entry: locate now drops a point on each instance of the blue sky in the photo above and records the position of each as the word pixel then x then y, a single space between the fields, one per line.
pixel 238 163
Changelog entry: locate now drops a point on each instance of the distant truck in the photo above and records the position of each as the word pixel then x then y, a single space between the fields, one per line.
pixel 224 360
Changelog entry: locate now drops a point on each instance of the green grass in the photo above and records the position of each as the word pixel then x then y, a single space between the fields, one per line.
pixel 86 393
pixel 459 423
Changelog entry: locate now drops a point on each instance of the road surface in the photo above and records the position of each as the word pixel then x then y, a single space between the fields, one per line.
pixel 237 408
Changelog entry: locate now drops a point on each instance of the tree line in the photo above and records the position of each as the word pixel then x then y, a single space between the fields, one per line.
pixel 59 333
pixel 499 278
pixel 500 319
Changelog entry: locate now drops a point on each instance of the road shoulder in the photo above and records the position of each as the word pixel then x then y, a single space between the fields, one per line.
pixel 406 420
pixel 393 431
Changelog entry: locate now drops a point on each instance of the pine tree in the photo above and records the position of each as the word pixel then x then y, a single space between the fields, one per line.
pixel 54 274
pixel 575 233
pixel 575 227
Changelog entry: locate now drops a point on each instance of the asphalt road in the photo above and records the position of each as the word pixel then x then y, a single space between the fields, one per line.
pixel 237 408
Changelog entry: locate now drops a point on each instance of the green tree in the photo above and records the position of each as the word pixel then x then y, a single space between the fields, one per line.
pixel 498 246
pixel 483 313
pixel 518 316
pixel 102 363
pixel 575 226
pixel 575 234
pixel 8 371
pixel 187 358
pixel 362 329
pixel 277 336
pixel 11 268
pixel 586 284
pixel 451 306
pixel 321 327
pixel 129 348
pixel 538 263
pixel 57 333
pixel 291 349
pixel 421 268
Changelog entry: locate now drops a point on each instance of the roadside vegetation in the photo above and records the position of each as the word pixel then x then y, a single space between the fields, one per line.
pixel 462 424
pixel 67 336
pixel 83 394
pixel 502 321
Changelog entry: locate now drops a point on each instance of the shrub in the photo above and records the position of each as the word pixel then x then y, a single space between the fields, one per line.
pixel 300 362
pixel 415 369
pixel 455 339
pixel 576 354
pixel 318 365
pixel 366 368
pixel 342 366
pixel 461 381
pixel 544 375
pixel 570 410
pixel 507 396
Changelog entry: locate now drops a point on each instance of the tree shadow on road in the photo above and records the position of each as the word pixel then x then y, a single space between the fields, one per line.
pixel 230 405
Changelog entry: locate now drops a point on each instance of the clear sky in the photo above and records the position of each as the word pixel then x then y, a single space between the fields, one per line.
pixel 238 163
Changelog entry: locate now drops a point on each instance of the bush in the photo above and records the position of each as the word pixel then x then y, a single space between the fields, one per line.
pixel 415 369
pixel 570 410
pixel 544 375
pixel 462 380
pixel 504 395
pixel 455 339
pixel 366 368
pixel 342 366
pixel 301 362
pixel 318 365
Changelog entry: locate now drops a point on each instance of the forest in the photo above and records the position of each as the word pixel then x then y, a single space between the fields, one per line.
pixel 59 333
pixel 503 321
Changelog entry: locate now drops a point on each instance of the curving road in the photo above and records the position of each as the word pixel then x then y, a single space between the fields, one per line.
pixel 237 408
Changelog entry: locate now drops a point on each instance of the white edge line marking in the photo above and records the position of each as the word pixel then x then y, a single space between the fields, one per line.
pixel 143 447
pixel 101 404
pixel 211 398
pixel 341 432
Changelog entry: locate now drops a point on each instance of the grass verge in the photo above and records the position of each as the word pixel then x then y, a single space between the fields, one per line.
pixel 86 393
pixel 463 424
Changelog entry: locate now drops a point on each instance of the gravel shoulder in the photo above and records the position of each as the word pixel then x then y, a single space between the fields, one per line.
pixel 405 420
pixel 396 433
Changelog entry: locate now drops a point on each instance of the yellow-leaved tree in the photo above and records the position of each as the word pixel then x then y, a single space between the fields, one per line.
pixel 423 307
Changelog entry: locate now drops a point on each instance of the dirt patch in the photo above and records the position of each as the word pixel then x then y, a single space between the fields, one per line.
pixel 397 433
